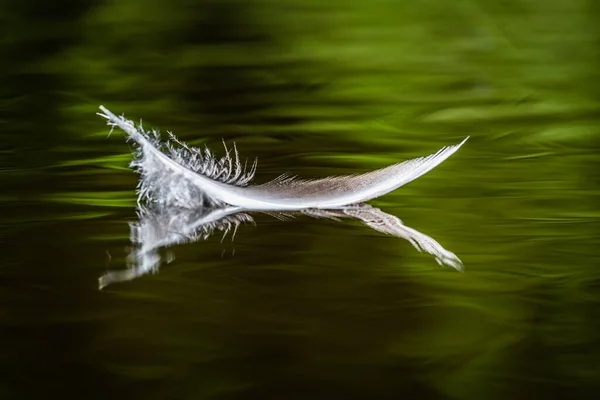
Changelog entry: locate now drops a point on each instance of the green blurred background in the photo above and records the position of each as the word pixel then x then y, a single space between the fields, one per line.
pixel 305 309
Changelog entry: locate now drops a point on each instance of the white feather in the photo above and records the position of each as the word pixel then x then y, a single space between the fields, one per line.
pixel 186 194
pixel 175 174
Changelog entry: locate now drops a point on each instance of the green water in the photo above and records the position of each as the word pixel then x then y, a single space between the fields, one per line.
pixel 305 309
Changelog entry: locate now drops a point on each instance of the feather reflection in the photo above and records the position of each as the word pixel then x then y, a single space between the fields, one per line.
pixel 160 227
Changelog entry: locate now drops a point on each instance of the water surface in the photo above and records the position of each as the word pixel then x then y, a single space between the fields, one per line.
pixel 305 308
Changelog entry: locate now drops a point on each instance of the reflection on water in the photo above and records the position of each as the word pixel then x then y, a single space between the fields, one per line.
pixel 161 226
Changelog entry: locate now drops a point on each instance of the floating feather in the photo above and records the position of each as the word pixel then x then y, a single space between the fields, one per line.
pixel 175 174
pixel 186 194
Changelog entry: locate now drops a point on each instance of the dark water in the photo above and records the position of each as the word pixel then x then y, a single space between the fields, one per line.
pixel 305 309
